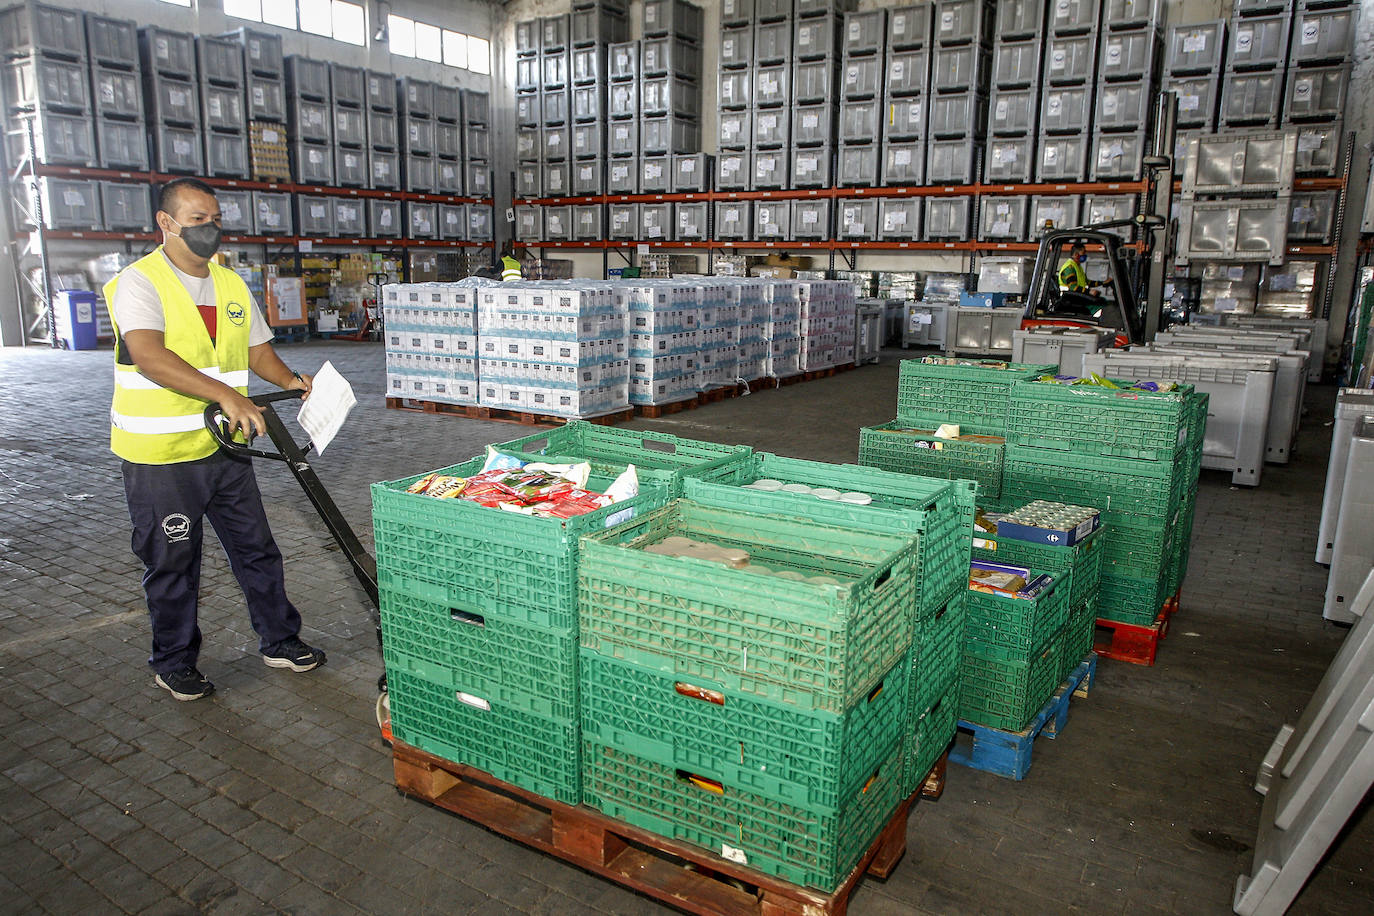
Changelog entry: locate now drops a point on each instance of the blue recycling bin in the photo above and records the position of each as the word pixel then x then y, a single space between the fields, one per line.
pixel 74 316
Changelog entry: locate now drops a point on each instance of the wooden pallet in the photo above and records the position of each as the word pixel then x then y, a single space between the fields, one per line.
pixel 674 873
pixel 1008 754
pixel 500 415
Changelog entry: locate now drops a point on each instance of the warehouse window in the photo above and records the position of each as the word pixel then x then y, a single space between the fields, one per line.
pixel 455 49
pixel 336 19
pixel 427 42
pixel 178 2
pixel 479 55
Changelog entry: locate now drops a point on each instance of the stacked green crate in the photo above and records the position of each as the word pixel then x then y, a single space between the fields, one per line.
pixel 1191 467
pixel 1011 660
pixel 896 446
pixel 756 711
pixel 933 701
pixel 1123 451
pixel 479 610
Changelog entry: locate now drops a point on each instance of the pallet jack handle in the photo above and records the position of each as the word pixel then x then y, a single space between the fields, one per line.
pixel 363 563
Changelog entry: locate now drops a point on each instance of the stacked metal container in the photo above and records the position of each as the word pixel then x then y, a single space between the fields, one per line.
pixel 1128 72
pixel 476 143
pixel 553 75
pixel 264 69
pixel 225 122
pixel 383 133
pixel 415 122
pixel 173 99
pixel 1252 86
pixel 734 119
pixel 448 139
pixel 1013 115
pixel 117 93
pixel 1194 55
pixel 310 120
pixel 670 72
pixel 861 110
pixel 771 114
pixel 961 57
pixel 595 27
pixel 1066 104
pixel 348 92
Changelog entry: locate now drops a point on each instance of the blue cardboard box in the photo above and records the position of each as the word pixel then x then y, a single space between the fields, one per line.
pixel 1055 537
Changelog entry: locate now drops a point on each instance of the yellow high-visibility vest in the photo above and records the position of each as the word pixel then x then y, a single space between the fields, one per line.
pixel 510 269
pixel 1071 276
pixel 150 424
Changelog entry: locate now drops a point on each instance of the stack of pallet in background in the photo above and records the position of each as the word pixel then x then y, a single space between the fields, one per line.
pixel 748 296
pixel 431 342
pixel 718 325
pixel 664 341
pixel 827 324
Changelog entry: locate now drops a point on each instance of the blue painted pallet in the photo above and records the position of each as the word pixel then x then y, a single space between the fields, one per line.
pixel 1008 754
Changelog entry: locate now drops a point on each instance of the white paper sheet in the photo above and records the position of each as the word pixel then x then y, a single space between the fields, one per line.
pixel 324 412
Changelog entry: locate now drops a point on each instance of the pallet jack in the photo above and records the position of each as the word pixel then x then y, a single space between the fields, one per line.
pixel 371 327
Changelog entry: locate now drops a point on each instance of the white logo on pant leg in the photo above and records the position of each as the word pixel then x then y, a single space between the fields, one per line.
pixel 177 527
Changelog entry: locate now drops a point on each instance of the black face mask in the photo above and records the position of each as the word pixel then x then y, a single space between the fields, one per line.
pixel 203 240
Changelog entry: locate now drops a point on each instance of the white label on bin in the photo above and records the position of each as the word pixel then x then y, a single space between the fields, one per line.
pixel 1001 114
pixel 73 198
pixel 1302 90
pixel 347 212
pixel 1114 54
pixel 768 122
pixel 901 157
pixel 1309 33
pixel 1109 103
pixel 1189 102
pixel 1051 155
pixel 555 139
pixel 1245 39
pixel 809 217
pixel 947 20
pixel 1054 104
pixel 255 49
pixel 177 98
pixel 385 217
pixel 107 94
pixel 181 147
pixel 1303 214
pixel 729 166
pixel 727 47
pixel 1062 8
pixel 555 179
pixel 1309 140
pixel 898 69
pixel 1194 42
pixel 1058 58
pixel 162 48
pixel 851 75
pixel 653 170
pixel 894 220
pixel 733 854
pixel 231 212
pixel 810 121
pixel 856 30
pixel 1001 227
pixel 259 97
pixel 1055 214
pixel 804 37
pixel 807 164
pixel 620 172
pixel 1009 154
pixel 84 313
pixel 317 211
pixel 688 166
pixel 269 136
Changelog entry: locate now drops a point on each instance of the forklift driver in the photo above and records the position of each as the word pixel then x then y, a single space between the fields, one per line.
pixel 1077 295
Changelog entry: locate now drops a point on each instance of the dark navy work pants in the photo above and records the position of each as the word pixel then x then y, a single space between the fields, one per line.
pixel 167 503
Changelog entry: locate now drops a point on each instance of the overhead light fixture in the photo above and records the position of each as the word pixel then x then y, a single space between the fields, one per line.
pixel 383 14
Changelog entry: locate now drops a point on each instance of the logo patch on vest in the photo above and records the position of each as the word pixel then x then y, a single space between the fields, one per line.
pixel 235 313
pixel 177 527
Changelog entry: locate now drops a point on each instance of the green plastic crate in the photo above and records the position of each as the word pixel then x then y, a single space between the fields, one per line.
pixel 973 393
pixel 1147 490
pixel 487 561
pixel 893 447
pixel 609 449
pixel 797 844
pixel 934 660
pixel 1007 694
pixel 809 759
pixel 818 646
pixel 934 730
pixel 520 665
pixel 1076 639
pixel 1128 600
pixel 939 511
pixel 1080 566
pixel 529 751
pixel 1012 628
pixel 1092 420
pixel 1182 549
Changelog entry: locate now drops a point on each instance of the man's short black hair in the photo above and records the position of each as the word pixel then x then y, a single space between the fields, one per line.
pixel 167 197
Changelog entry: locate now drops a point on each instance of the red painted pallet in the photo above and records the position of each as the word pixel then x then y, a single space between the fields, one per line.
pixel 674 873
pixel 1132 642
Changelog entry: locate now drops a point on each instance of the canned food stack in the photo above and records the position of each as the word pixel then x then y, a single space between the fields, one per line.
pixel 431 342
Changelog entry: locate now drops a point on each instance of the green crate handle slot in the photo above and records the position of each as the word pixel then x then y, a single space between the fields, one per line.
pixel 467 617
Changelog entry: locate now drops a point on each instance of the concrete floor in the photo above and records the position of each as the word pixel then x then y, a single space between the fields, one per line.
pixel 276 794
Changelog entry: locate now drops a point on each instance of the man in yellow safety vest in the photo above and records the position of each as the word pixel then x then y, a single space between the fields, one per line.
pixel 1071 275
pixel 510 266
pixel 188 332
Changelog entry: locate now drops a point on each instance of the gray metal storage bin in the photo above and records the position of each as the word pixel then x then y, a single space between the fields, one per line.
pixel 623 138
pixel 588 65
pixel 690 221
pixel 960 69
pixel 733 170
pixel 1016 63
pixel 1117 155
pixel 837 8
pixel 667 134
pixel 315 216
pixel 770 10
pixel 529 109
pixel 770 170
pixel 734 129
pixel 178 149
pixel 314 163
pixel 1258 42
pixel 904 163
pixel 1316 94
pixel 40 82
pixel 119 93
pixel 1129 56
pixel 68 203
pixel 420 175
pixel 422 220
pixel 527 37
pixel 59 139
pixel 810 219
pixel 622 176
pixel 350 167
pixel 656 222
pixel 167 52
pixel 447 104
pixel 655 174
pixel 381 91
pixel 737 47
pixel 1324 35
pixel 555 69
pixel 223 108
pixel 669 56
pixel 736 12
pixel 910 26
pixel 307 77
pixel 589 177
pixel 857 220
pixel 384 170
pixel 476 141
pixel 904 119
pixel 480 228
pixel 111 41
pixel 122 144
pixel 1020 19
pixel 528 73
pixel 588 141
pixel 864 32
pixel 261 50
pixel 859 122
pixel 858 166
pixel 1198 97
pixel 419 134
pixel 1012 112
pixel 312 121
pixel 772 42
pixel 589 103
pixel 556 106
pixel 1004 218
pixel 350 217
pixel 734 220
pixel 272 214
pixel 813 125
pixel 963 114
pixel 814 81
pixel 953 161
pixel 266 99
pixel 1118 15
pixel 1072 16
pixel 350 128
pixel 963 21
pixel 772 220
pixel 384 219
pixel 226 155
pixel 1061 211
pixel 347 85
pixel 477 179
pixel 1319 148
pixel 623 100
pixel 1124 106
pixel 1099 208
pixel 558 225
pixel 416 96
pixel 674 17
pixel 948 218
pixel 1062 158
pixel 771 128
pixel 907 72
pixel 235 208
pixel 173 100
pixel 1196 48
pixel 453 222
pixel 771 86
pixel 381 130
pixel 816 38
pixel 553 32
pixel 529 180
pixel 448 176
pixel 812 167
pixel 587 222
pixel 1009 160
pixel 1066 109
pixel 598 26
pixel 623 60
pixel 476 107
pixel 557 144
pixel 1251 99
pixel 862 78
pixel 1070 60
pixel 669 95
pixel 734 88
pixel 692 173
pixel 1312 217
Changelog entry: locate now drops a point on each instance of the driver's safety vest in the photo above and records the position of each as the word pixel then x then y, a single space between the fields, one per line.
pixel 150 424
pixel 1072 277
